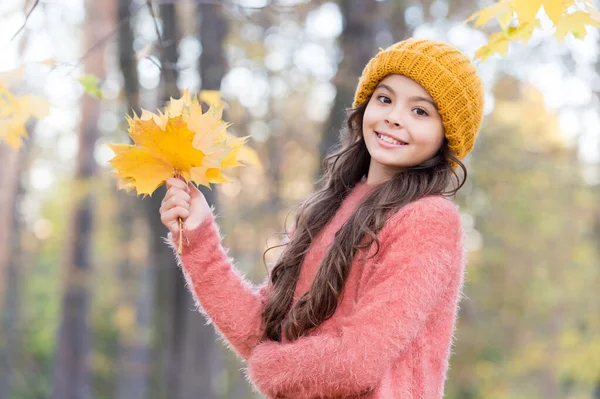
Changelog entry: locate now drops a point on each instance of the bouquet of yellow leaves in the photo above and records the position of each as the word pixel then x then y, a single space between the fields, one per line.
pixel 181 141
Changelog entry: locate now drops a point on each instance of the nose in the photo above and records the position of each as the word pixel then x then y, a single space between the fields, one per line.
pixel 391 120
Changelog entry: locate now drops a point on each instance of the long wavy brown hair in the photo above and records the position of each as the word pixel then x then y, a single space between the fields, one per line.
pixel 343 169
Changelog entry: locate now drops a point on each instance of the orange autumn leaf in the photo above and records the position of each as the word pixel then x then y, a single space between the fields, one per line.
pixel 181 141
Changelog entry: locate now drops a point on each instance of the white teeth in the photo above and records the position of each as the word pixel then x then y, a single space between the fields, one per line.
pixel 388 139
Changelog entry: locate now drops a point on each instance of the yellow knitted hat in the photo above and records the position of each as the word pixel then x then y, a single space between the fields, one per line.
pixel 446 74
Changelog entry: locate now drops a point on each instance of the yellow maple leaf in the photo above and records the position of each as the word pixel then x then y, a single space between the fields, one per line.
pixel 181 141
pixel 211 97
pixel 574 23
pixel 140 168
pixel 503 11
pixel 197 121
pixel 556 8
pixel 15 111
pixel 497 43
pixel 523 31
pixel 527 10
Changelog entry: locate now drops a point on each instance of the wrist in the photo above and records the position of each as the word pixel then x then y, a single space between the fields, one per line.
pixel 192 234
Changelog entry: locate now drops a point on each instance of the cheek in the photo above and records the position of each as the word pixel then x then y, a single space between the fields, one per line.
pixel 367 126
pixel 433 136
pixel 367 118
pixel 440 134
pixel 371 113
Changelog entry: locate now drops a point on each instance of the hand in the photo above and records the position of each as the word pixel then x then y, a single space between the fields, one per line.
pixel 183 201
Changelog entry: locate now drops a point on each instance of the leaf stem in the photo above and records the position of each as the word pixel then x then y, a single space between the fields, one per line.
pixel 177 175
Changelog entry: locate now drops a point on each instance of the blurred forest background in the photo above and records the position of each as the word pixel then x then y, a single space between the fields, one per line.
pixel 92 303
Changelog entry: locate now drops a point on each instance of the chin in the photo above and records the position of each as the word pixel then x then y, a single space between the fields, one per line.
pixel 392 165
pixel 390 161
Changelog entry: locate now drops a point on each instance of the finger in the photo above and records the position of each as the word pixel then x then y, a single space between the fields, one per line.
pixel 177 201
pixel 179 196
pixel 170 193
pixel 174 182
pixel 176 198
pixel 171 216
pixel 175 192
pixel 169 183
pixel 185 183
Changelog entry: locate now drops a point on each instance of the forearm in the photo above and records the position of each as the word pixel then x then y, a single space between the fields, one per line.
pixel 311 368
pixel 222 294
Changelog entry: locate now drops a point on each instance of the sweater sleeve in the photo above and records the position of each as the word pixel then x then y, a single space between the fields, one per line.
pixel 419 256
pixel 228 301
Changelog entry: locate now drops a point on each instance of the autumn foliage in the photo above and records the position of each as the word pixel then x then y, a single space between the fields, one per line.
pixel 180 141
pixel 15 112
pixel 519 18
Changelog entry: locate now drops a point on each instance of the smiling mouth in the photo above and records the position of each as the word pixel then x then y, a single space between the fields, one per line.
pixel 389 140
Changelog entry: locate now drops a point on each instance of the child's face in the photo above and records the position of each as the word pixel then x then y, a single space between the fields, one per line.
pixel 402 110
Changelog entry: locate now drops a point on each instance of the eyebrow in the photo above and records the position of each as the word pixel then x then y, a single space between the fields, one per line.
pixel 413 98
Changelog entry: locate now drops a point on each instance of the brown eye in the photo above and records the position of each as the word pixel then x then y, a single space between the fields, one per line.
pixel 383 99
pixel 424 113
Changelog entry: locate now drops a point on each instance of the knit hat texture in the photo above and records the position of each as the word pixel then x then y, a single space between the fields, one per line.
pixel 448 76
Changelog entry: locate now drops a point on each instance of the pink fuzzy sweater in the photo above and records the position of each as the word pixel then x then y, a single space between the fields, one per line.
pixel 391 335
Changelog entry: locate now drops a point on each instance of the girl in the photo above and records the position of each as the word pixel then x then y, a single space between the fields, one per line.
pixel 363 300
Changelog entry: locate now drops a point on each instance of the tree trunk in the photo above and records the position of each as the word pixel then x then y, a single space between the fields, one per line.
pixel 597 230
pixel 71 374
pixel 358 46
pixel 398 27
pixel 169 286
pixel 11 261
pixel 203 359
pixel 9 175
pixel 10 234
pixel 133 363
pixel 363 21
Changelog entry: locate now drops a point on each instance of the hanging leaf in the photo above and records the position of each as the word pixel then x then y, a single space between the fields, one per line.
pixel 555 8
pixel 15 111
pixel 90 85
pixel 502 11
pixel 497 44
pixel 527 11
pixel 519 18
pixel 575 24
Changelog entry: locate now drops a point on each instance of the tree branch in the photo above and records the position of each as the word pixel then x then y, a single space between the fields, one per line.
pixel 26 19
pixel 102 41
pixel 158 35
pixel 148 3
pixel 168 69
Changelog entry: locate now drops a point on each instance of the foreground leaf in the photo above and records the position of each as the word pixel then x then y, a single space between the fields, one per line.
pixel 181 141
